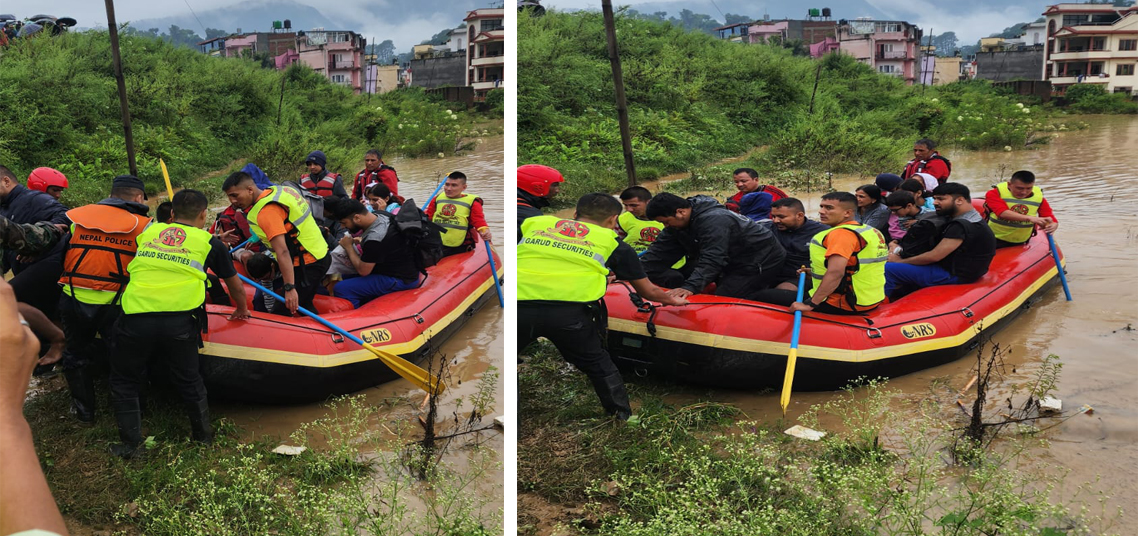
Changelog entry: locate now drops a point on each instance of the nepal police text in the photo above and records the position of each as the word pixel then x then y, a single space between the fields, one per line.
pixel 558 245
pixel 107 239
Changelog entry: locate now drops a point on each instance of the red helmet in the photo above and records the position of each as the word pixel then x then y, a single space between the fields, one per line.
pixel 536 178
pixel 43 177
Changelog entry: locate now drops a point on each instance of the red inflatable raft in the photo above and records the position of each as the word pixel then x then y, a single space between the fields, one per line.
pixel 733 343
pixel 276 359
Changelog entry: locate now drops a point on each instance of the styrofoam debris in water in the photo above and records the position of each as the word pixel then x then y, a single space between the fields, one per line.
pixel 289 450
pixel 1050 405
pixel 500 422
pixel 803 432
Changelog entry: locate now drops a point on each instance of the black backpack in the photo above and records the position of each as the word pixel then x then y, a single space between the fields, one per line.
pixel 922 236
pixel 423 236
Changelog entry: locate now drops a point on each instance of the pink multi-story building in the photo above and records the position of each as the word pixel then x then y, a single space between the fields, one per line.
pixel 889 47
pixel 485 50
pixel 336 54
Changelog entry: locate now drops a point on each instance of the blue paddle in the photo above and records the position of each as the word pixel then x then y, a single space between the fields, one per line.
pixel 416 375
pixel 1058 265
pixel 494 274
pixel 433 194
pixel 792 357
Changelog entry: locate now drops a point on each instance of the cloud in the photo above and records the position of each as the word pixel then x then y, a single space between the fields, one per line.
pixel 969 24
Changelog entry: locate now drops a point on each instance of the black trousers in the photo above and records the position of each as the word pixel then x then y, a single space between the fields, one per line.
pixel 38 285
pixel 573 328
pixel 307 282
pixel 173 338
pixel 737 283
pixel 81 322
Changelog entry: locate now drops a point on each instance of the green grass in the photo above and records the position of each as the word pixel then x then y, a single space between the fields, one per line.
pixel 705 469
pixel 349 481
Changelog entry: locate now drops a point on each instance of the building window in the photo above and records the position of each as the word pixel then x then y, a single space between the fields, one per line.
pixel 886 27
pixel 489 25
pixel 887 69
pixel 1122 90
pixel 1128 44
pixel 1126 69
pixel 339 78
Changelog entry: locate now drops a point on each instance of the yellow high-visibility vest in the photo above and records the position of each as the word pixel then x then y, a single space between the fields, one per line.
pixel 868 281
pixel 563 260
pixel 168 270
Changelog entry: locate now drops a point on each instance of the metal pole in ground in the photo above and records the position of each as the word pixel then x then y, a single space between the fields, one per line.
pixel 112 26
pixel 618 81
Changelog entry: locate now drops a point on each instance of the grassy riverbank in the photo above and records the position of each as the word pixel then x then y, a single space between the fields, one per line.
pixel 353 479
pixel 59 107
pixel 694 100
pixel 888 466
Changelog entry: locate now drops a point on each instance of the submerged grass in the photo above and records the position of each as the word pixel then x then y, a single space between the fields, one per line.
pixel 351 480
pixel 695 470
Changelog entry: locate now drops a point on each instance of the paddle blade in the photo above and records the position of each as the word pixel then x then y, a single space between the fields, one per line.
pixel 166 175
pixel 788 380
pixel 409 371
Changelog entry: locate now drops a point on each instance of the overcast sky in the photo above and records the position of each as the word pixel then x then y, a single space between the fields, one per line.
pixel 406 23
pixel 970 19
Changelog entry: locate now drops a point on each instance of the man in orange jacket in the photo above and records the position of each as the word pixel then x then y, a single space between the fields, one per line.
pixel 94 275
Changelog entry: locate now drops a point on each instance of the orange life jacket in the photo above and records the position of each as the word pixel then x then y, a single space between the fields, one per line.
pixel 322 188
pixel 102 245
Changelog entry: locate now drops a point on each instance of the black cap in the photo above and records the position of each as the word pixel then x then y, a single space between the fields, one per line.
pixel 129 181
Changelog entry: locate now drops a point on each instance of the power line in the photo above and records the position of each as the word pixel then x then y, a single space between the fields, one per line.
pixel 204 32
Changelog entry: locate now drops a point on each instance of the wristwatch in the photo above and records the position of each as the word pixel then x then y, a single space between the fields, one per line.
pixel 809 303
pixel 288 286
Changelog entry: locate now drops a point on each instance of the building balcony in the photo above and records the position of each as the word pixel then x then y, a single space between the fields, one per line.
pixel 1064 80
pixel 488 61
pixel 341 65
pixel 1088 55
pixel 894 55
pixel 480 86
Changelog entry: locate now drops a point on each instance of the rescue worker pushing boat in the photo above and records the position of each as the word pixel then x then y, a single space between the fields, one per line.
pixel 163 314
pixel 563 266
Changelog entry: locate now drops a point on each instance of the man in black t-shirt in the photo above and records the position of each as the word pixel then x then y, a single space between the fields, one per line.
pixel 793 230
pixel 385 262
pixel 962 255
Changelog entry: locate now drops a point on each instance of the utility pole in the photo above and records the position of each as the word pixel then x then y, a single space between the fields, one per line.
pixel 618 81
pixel 112 26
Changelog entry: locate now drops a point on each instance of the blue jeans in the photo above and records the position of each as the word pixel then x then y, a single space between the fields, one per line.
pixel 362 289
pixel 901 279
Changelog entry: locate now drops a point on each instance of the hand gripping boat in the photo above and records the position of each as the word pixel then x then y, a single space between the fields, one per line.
pixel 276 359
pixel 741 344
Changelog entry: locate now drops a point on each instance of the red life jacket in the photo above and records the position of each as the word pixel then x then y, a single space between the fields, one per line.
pixel 918 166
pixel 364 180
pixel 776 194
pixel 322 188
pixel 102 246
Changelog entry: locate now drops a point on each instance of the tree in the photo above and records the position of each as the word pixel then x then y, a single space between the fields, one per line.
pixel 384 52
pixel 945 43
pixel 690 20
pixel 182 37
pixel 732 18
pixel 211 33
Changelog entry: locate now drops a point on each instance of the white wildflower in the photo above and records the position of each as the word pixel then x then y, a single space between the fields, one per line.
pixel 1007 148
pixel 1019 105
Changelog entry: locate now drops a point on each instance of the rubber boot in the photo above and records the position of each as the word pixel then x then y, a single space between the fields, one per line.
pixel 610 389
pixel 199 421
pixel 129 419
pixel 82 387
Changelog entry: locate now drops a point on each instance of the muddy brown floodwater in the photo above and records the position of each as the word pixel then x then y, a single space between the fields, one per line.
pixel 471 351
pixel 1090 179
